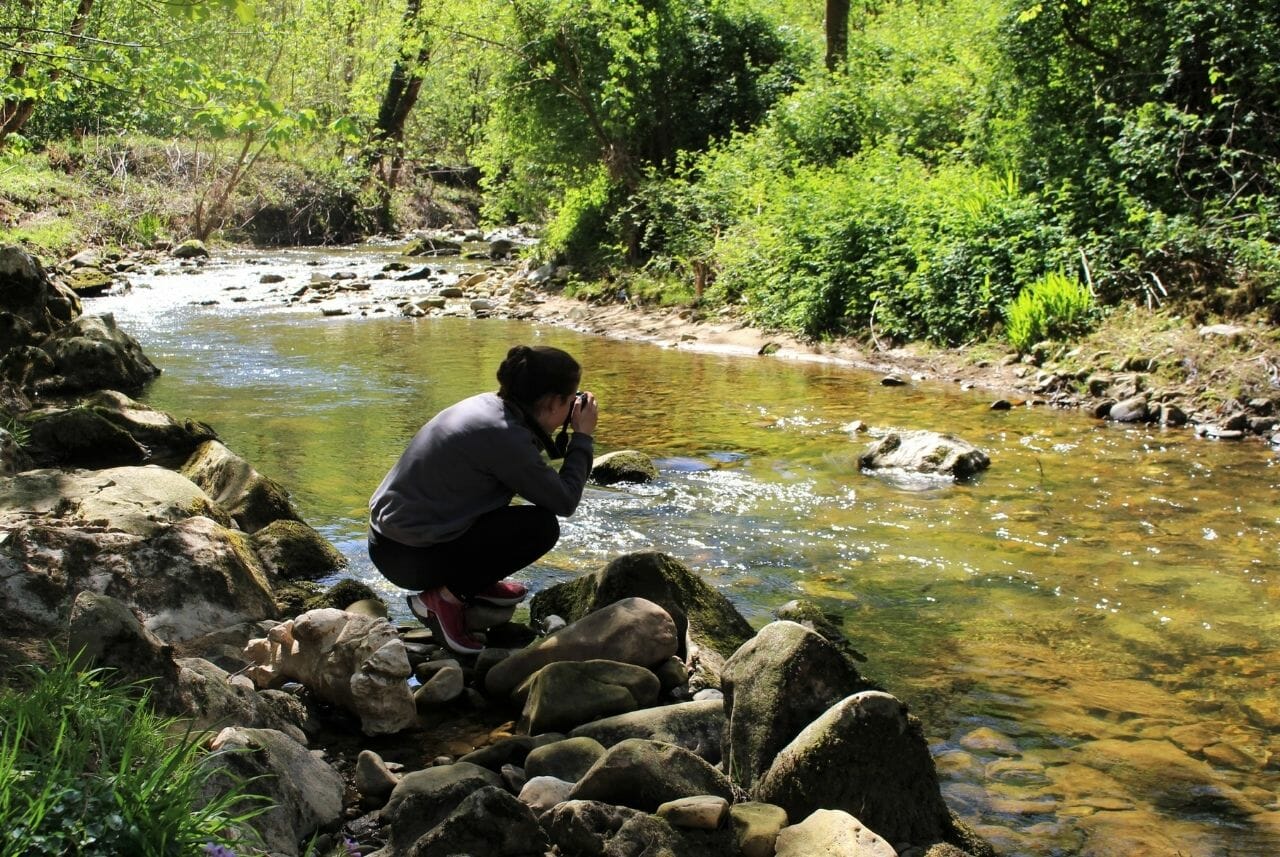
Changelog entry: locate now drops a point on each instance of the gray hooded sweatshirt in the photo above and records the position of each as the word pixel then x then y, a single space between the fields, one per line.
pixel 472 458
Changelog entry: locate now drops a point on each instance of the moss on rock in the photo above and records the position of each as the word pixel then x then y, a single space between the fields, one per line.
pixel 292 550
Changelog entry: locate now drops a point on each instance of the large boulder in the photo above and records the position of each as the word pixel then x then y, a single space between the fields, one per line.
pixel 303 792
pixel 702 615
pixel 164 438
pixel 422 799
pixel 866 756
pixel 80 437
pixel 489 821
pixel 565 694
pixel 31 304
pixel 292 550
pixel 108 428
pixel 252 499
pixel 698 727
pixel 91 353
pixel 356 662
pixel 137 500
pixel 925 452
pixel 185 579
pixel 646 774
pixel 633 631
pixel 775 686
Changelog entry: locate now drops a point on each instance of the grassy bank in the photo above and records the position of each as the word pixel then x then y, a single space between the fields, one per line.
pixel 132 192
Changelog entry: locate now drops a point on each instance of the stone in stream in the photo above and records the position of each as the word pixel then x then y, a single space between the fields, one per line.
pixel 774 686
pixel 624 465
pixel 925 452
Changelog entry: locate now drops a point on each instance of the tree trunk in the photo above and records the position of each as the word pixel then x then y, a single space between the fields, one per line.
pixel 837 34
pixel 15 112
pixel 385 152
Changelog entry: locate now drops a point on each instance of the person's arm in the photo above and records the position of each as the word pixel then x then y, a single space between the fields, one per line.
pixel 527 473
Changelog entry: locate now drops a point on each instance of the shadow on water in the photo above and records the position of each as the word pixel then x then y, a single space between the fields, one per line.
pixel 1088 630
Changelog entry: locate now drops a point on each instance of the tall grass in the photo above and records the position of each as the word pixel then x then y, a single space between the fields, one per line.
pixel 87 768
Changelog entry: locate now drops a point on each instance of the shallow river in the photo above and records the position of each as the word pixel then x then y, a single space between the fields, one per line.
pixel 1089 630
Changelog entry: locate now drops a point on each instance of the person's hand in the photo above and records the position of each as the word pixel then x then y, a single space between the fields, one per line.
pixel 585 413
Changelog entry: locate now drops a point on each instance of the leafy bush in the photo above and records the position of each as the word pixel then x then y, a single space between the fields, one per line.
pixel 87 768
pixel 1053 307
pixel 883 239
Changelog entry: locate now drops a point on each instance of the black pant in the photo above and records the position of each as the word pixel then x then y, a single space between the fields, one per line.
pixel 496 545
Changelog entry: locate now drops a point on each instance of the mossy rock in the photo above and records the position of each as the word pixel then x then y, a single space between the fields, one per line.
pixel 253 500
pixel 292 550
pixel 709 619
pixel 89 282
pixel 625 465
pixel 294 597
pixel 192 249
pixel 344 592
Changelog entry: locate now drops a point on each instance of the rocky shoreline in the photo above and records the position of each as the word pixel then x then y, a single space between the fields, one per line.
pixel 637 712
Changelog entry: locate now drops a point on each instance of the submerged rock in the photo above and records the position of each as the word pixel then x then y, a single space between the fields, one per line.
pixel 925 452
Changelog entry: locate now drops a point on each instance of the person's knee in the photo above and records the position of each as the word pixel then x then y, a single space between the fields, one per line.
pixel 547 529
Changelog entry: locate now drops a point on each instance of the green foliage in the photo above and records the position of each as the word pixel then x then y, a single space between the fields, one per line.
pixel 580 228
pixel 885 240
pixel 1153 125
pixel 626 85
pixel 1053 307
pixel 86 768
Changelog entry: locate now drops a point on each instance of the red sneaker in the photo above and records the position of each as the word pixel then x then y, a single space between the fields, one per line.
pixel 504 593
pixel 446 621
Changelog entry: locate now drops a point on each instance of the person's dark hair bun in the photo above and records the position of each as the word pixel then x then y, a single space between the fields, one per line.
pixel 530 372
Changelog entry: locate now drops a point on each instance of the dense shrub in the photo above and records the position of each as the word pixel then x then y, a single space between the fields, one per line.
pixel 883 239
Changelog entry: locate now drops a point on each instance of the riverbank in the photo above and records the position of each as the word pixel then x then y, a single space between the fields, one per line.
pixel 1222 376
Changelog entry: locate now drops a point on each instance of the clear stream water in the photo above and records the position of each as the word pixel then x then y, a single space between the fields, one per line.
pixel 1089 630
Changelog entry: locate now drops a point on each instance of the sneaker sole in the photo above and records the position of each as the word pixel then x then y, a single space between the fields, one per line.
pixel 499 602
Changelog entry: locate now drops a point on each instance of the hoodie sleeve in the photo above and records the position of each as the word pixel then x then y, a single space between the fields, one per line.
pixel 522 468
